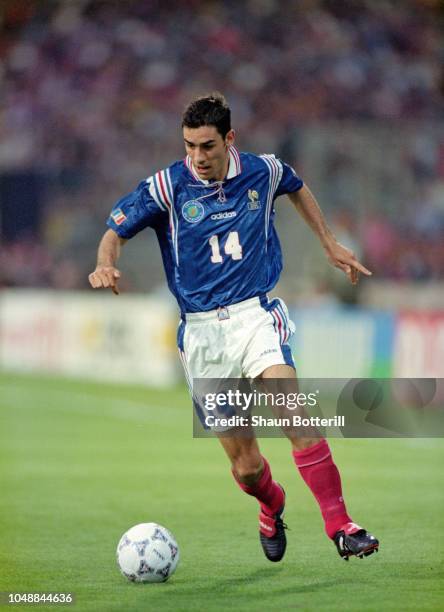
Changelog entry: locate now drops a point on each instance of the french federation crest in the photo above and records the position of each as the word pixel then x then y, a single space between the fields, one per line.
pixel 254 203
pixel 193 211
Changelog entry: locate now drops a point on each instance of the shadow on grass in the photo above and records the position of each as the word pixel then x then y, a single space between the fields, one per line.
pixel 273 580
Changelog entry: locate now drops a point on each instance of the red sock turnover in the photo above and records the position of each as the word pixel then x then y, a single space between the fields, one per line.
pixel 265 490
pixel 316 467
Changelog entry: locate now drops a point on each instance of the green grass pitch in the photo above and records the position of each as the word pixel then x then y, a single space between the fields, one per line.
pixel 82 462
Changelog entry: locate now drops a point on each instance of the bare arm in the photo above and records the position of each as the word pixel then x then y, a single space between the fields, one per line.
pixel 106 274
pixel 337 254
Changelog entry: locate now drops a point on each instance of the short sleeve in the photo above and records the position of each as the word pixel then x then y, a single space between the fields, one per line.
pixel 289 182
pixel 135 211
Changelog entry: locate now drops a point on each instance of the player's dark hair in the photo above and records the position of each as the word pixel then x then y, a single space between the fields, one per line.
pixel 208 110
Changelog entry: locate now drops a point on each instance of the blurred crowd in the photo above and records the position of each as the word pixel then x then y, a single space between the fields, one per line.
pixel 92 93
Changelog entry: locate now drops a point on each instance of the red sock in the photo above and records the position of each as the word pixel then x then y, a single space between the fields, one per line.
pixel 322 476
pixel 268 493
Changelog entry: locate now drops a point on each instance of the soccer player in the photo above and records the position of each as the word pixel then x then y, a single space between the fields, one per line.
pixel 213 214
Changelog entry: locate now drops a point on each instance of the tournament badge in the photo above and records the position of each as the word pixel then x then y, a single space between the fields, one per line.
pixel 254 203
pixel 193 211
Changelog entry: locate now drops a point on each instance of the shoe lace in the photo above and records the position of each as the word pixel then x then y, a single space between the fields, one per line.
pixel 282 524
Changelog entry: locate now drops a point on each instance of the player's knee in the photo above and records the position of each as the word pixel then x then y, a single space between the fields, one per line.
pixel 249 470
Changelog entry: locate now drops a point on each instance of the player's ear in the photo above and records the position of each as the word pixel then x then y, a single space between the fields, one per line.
pixel 229 138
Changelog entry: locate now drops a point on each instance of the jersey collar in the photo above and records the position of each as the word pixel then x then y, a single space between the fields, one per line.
pixel 234 166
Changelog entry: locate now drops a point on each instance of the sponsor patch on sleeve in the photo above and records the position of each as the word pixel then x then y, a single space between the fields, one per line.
pixel 118 217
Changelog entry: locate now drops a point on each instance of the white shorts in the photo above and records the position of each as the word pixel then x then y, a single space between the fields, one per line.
pixel 237 341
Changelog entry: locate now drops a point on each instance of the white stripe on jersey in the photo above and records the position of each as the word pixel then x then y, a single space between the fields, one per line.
pixel 161 190
pixel 174 223
pixel 169 185
pixel 275 169
pixel 153 193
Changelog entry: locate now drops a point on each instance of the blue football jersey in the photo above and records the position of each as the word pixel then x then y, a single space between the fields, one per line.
pixel 217 239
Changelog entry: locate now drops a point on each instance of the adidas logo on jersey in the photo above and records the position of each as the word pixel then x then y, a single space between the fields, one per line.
pixel 223 215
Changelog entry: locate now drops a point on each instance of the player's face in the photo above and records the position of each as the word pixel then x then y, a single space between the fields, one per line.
pixel 208 151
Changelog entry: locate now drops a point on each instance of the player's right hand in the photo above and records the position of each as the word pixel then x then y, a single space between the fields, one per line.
pixel 105 277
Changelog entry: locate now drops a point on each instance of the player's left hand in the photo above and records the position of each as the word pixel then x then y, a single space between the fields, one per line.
pixel 343 258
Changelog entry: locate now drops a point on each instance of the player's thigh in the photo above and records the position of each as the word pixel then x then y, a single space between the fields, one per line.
pixel 278 379
pixel 280 371
pixel 281 381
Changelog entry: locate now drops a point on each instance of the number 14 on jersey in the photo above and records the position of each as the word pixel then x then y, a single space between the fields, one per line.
pixel 232 247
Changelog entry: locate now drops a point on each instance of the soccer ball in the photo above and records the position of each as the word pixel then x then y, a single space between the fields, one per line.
pixel 147 553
